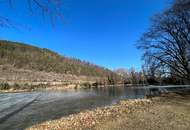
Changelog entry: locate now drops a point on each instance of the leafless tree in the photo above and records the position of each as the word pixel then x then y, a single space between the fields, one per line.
pixel 167 42
pixel 53 9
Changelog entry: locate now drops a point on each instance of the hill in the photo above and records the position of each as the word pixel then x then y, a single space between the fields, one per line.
pixel 19 58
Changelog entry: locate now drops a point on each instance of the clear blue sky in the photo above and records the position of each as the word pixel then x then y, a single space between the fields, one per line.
pixel 100 31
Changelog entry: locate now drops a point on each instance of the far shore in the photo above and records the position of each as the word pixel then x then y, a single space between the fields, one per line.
pixel 29 87
pixel 52 87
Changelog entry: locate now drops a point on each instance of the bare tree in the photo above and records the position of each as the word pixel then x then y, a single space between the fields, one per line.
pixel 167 42
pixel 50 8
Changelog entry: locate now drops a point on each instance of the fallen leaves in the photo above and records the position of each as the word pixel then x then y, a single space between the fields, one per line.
pixel 88 119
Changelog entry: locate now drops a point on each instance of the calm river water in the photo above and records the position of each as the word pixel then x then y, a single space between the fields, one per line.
pixel 21 110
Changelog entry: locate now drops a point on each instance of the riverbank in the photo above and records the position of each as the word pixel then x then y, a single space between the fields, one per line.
pixel 14 79
pixel 6 88
pixel 169 111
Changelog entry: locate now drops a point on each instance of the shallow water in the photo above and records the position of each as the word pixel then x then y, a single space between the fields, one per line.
pixel 21 110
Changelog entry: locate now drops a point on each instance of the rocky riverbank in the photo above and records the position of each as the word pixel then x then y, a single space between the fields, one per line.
pixel 91 118
pixel 166 112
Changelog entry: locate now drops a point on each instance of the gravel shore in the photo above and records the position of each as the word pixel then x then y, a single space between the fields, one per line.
pixel 169 111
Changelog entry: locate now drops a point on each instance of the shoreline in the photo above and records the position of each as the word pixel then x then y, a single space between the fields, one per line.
pixel 89 118
pixel 57 88
pixel 110 117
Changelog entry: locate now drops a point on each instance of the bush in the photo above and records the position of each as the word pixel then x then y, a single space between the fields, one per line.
pixel 16 86
pixel 86 85
pixel 4 86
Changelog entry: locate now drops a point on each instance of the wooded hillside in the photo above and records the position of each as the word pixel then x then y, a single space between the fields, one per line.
pixel 29 57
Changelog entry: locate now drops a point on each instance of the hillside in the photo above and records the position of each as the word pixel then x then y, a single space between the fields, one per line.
pixel 23 60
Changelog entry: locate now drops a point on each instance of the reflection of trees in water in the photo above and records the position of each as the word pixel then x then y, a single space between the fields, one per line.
pixel 109 91
pixel 116 91
pixel 134 93
pixel 129 92
pixel 125 92
pixel 153 91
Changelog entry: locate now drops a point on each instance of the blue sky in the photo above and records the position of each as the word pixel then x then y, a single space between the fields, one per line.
pixel 103 32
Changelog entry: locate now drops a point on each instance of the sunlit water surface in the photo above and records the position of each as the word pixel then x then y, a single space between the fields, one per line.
pixel 21 110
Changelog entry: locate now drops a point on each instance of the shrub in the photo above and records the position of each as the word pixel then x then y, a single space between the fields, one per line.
pixel 86 85
pixel 16 86
pixel 4 86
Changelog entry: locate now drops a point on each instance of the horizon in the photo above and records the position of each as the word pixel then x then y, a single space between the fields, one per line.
pixel 91 31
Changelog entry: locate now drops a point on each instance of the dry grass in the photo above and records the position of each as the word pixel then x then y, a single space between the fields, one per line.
pixel 166 113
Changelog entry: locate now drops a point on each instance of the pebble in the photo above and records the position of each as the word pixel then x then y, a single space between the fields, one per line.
pixel 88 119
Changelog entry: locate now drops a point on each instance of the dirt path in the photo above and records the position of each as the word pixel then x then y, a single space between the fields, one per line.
pixel 168 112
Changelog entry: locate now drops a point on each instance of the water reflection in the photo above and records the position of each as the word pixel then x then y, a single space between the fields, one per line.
pixel 109 91
pixel 50 105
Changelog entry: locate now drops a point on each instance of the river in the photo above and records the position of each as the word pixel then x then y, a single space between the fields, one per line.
pixel 21 110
